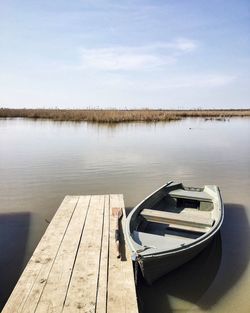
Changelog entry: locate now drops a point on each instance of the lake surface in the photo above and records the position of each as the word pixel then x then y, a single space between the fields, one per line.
pixel 42 161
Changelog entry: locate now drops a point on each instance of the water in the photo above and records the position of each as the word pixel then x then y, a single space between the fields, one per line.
pixel 42 161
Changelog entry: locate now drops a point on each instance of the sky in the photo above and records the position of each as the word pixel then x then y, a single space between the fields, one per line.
pixel 125 54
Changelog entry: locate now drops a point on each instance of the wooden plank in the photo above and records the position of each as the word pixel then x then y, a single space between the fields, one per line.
pixel 42 257
pixel 130 296
pixel 115 301
pixel 189 194
pixel 81 295
pixel 176 218
pixel 202 230
pixel 74 268
pixel 101 302
pixel 55 290
pixel 121 287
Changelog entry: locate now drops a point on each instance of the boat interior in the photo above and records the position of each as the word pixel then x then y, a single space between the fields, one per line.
pixel 175 216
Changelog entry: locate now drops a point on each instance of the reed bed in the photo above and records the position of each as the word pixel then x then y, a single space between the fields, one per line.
pixel 120 116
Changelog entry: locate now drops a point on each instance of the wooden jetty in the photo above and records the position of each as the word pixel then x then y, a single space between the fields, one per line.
pixel 74 267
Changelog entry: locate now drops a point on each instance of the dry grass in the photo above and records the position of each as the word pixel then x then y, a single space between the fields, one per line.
pixel 119 116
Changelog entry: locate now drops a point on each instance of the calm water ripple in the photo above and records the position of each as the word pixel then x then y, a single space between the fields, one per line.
pixel 42 161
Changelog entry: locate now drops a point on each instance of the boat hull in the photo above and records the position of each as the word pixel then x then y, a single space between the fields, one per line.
pixel 154 267
pixel 155 257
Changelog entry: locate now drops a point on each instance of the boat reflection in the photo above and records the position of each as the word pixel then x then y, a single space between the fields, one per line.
pixel 189 282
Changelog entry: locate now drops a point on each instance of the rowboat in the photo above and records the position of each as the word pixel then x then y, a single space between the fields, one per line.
pixel 171 226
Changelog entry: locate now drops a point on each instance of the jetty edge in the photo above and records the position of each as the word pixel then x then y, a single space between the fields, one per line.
pixel 74 268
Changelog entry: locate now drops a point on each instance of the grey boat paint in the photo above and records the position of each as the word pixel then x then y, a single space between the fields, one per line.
pixel 170 247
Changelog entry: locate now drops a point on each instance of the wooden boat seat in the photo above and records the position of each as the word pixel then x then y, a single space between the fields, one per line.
pixel 182 220
pixel 188 194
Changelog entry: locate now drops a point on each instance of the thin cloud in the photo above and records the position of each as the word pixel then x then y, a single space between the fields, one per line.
pixel 200 81
pixel 113 59
pixel 135 58
pixel 185 45
pixel 163 83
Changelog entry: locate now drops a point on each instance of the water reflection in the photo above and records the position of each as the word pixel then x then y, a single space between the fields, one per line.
pixel 14 232
pixel 189 282
pixel 42 161
pixel 207 278
pixel 235 234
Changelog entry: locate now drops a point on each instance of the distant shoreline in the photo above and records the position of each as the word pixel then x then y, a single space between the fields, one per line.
pixel 121 115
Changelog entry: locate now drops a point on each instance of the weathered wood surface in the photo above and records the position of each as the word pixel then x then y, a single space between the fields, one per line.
pixel 74 267
pixel 187 194
pixel 188 219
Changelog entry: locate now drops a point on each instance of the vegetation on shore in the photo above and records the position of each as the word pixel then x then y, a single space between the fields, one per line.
pixel 119 116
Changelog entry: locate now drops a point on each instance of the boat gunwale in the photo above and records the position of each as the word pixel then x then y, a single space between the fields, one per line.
pixel 161 252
